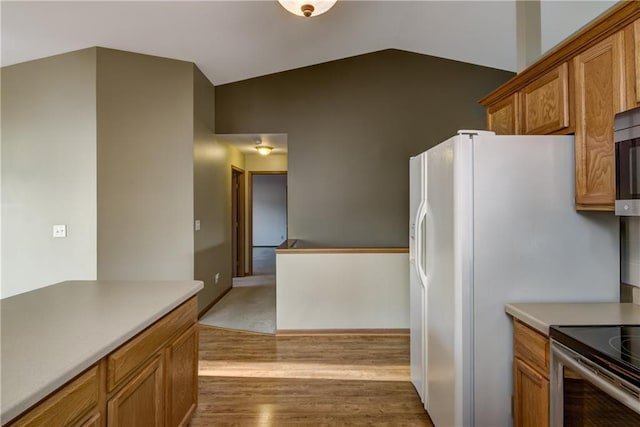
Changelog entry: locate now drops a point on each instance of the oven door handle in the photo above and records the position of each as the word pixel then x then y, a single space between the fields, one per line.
pixel 559 357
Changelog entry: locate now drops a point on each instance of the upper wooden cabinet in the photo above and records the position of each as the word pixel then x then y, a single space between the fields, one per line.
pixel 503 117
pixel 545 103
pixel 635 58
pixel 578 87
pixel 599 91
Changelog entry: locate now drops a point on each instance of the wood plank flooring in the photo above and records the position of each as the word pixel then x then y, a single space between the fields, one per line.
pixel 250 379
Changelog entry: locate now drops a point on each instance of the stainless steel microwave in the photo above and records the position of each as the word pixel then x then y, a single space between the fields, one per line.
pixel 626 138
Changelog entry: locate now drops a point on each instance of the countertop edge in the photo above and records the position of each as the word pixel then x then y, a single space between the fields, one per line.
pixel 527 319
pixel 10 413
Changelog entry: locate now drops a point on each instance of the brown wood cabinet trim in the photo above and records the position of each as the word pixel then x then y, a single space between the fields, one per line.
pixel 399 331
pixel 561 75
pixel 615 20
pixel 126 359
pixel 343 251
pixel 93 421
pixel 60 407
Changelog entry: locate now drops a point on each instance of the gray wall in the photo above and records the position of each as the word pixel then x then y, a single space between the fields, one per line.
pixel 212 195
pixel 352 125
pixel 145 167
pixel 48 171
pixel 269 193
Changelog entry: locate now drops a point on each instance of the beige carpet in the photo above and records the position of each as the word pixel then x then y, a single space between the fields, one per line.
pixel 251 304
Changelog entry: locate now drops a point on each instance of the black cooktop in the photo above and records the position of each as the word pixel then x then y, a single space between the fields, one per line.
pixel 614 347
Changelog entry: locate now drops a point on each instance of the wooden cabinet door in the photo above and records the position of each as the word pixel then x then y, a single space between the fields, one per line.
pixel 182 378
pixel 545 103
pixel 141 401
pixel 530 396
pixel 599 92
pixel 503 117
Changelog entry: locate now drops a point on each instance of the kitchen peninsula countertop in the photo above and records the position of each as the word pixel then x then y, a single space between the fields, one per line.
pixel 542 315
pixel 52 334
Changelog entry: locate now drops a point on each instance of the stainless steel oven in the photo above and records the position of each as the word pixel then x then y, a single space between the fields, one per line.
pixel 626 138
pixel 595 376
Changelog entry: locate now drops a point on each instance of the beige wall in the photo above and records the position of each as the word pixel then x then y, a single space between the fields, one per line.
pixel 212 195
pixel 351 127
pixel 48 171
pixel 145 167
pixel 272 162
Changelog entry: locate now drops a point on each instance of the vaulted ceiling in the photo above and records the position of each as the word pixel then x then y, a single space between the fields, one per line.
pixel 236 40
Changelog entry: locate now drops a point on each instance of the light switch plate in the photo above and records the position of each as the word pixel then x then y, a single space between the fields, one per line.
pixel 60 230
pixel 197 225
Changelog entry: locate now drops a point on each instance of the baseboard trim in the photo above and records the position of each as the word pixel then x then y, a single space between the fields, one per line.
pixel 399 331
pixel 208 307
pixel 244 331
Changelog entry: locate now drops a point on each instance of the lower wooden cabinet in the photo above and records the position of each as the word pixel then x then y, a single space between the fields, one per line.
pixel 150 381
pixel 71 404
pixel 531 396
pixel 182 378
pixel 141 401
pixel 530 377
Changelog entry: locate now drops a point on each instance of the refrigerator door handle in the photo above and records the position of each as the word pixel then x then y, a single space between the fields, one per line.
pixel 420 255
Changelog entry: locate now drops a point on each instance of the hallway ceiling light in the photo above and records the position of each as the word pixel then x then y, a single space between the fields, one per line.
pixel 307 8
pixel 265 150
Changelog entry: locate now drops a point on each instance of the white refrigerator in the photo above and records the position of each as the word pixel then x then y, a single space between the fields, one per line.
pixel 493 221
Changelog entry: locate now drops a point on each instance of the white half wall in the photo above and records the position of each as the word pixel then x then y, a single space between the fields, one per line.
pixel 342 291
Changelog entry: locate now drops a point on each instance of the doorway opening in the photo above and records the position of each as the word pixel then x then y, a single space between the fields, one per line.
pixel 237 221
pixel 267 219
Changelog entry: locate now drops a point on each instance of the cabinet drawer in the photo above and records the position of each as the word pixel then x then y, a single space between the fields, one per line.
pixel 532 347
pixel 545 103
pixel 133 354
pixel 66 405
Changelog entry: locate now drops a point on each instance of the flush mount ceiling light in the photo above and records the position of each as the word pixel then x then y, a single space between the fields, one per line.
pixel 265 150
pixel 307 8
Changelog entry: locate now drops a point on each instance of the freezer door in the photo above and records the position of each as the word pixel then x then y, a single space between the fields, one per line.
pixel 417 285
pixel 444 371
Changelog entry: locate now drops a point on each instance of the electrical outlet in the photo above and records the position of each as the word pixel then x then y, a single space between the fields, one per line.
pixel 217 278
pixel 197 225
pixel 60 230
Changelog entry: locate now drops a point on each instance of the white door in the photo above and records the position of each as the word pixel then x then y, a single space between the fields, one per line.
pixel 417 285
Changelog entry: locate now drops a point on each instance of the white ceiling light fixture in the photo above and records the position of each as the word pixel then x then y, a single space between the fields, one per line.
pixel 264 150
pixel 307 8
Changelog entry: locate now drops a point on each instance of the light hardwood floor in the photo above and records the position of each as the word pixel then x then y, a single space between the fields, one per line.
pixel 262 380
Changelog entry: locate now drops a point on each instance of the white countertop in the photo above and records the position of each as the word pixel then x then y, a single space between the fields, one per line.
pixel 542 315
pixel 52 334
